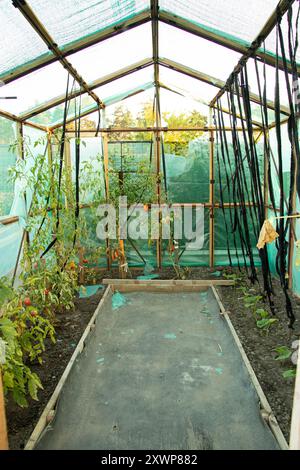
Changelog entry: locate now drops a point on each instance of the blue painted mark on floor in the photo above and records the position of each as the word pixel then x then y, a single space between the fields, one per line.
pixel 170 336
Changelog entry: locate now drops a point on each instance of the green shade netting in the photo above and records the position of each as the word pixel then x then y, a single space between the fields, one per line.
pixel 230 19
pixel 76 19
pixel 66 21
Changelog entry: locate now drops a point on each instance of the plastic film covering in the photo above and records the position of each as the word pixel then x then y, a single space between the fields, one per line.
pixel 69 20
pixel 229 20
pixel 19 42
pixel 7 160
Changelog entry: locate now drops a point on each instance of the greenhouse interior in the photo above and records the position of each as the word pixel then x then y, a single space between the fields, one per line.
pixel 149 241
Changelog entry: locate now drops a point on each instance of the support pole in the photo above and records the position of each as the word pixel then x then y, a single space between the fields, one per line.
pixel 211 197
pixel 157 133
pixel 3 427
pixel 106 176
pixel 292 231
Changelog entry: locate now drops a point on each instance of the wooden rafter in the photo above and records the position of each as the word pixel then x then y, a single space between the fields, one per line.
pixel 226 111
pixel 77 46
pixel 92 109
pixel 92 85
pixel 13 117
pixel 213 36
pixel 33 20
pixel 253 49
pixel 171 64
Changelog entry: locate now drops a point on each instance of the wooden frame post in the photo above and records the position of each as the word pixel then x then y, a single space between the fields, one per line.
pixel 106 177
pixel 292 231
pixel 3 427
pixel 211 197
pixel 295 424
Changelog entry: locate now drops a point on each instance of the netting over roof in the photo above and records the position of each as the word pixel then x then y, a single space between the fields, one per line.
pixel 75 25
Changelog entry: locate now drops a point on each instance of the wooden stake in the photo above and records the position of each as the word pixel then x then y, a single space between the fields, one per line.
pixel 211 199
pixel 292 231
pixel 3 427
pixel 295 425
pixel 106 176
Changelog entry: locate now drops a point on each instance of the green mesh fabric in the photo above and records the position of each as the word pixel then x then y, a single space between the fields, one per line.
pixel 7 160
pixel 76 19
pixel 229 20
pixel 19 43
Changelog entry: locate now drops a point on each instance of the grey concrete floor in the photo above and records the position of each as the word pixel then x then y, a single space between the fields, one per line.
pixel 160 372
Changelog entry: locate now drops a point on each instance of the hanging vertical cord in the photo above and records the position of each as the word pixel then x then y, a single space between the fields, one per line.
pixel 61 160
pixel 99 122
pixel 264 119
pixel 251 196
pixel 163 154
pixel 283 223
pixel 226 155
pixel 236 225
pixel 77 171
pixel 243 228
pixel 256 177
pixel 295 112
pixel 220 183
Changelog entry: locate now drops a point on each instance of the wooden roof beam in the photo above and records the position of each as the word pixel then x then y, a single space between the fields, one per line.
pixel 252 50
pixel 204 33
pixel 13 117
pixel 213 81
pixel 33 20
pixel 77 46
pixel 92 85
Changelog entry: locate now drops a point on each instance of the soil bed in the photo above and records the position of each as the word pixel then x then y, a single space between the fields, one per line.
pixel 258 345
pixel 21 421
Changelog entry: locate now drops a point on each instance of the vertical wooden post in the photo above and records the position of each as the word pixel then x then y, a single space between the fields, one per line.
pixel 106 176
pixel 158 196
pixel 211 197
pixel 3 428
pixel 295 424
pixel 68 165
pixel 292 232
pixel 20 133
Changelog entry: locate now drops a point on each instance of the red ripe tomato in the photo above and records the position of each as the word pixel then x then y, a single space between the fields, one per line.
pixel 27 302
pixel 46 291
pixel 85 261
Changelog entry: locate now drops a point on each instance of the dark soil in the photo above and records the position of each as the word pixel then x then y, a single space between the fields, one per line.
pixel 258 345
pixel 21 421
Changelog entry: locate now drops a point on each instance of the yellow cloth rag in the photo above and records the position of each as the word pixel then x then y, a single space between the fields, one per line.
pixel 267 234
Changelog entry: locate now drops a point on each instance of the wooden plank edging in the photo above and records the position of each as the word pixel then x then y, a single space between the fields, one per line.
pixel 48 412
pixel 267 412
pixel 295 425
pixel 168 282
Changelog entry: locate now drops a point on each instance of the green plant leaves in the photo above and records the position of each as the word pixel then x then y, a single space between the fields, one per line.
pixel 289 374
pixel 283 353
pixel 265 323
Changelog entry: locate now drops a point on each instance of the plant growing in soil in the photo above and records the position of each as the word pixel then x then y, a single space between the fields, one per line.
pixel 284 354
pixel 23 331
pixel 236 278
pixel 264 322
pixel 252 301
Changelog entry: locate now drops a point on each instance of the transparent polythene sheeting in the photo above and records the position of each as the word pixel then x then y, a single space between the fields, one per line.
pixel 69 20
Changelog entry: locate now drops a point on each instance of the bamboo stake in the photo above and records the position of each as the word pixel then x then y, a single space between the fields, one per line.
pixel 211 197
pixel 3 427
pixel 292 227
pixel 106 176
pixel 295 425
